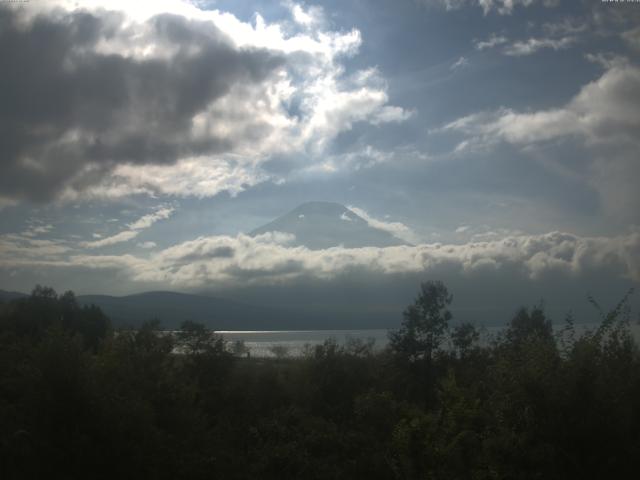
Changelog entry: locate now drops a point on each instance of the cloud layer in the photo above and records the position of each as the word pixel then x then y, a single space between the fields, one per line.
pixel 604 118
pixel 232 261
pixel 197 95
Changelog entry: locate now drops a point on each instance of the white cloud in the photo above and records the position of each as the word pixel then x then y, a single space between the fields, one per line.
pixel 554 36
pixel 25 247
pixel 397 229
pixel 199 177
pixel 506 124
pixel 148 220
pixel 268 259
pixel 493 41
pixel 147 245
pixel 135 228
pixel 533 45
pixel 604 110
pixel 124 236
pixel 607 60
pixel 460 63
pixel 502 7
pixel 566 27
pixel 37 229
pixel 604 116
pixel 365 157
pixel 310 17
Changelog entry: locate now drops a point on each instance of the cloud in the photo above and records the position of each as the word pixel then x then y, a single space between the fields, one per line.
pixel 502 7
pixel 80 110
pixel 199 177
pixel 148 220
pixel 24 247
pixel 147 245
pixel 397 229
pixel 113 88
pixel 365 157
pixel 554 36
pixel 7 202
pixel 37 229
pixel 604 110
pixel 604 117
pixel 310 17
pixel 533 45
pixel 124 236
pixel 460 63
pixel 493 41
pixel 607 60
pixel 226 261
pixel 135 228
pixel 632 37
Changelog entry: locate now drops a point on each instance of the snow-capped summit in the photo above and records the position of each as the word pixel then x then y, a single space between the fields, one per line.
pixel 319 225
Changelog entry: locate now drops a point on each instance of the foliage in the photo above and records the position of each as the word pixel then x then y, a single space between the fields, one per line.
pixel 425 323
pixel 79 400
pixel 279 351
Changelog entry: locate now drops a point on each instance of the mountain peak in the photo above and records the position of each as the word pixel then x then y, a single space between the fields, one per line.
pixel 320 225
pixel 320 207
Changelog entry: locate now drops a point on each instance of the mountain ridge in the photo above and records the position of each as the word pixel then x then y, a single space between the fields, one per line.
pixel 318 225
pixel 172 308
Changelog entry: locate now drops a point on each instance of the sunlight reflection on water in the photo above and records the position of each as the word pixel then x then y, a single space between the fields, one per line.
pixel 295 342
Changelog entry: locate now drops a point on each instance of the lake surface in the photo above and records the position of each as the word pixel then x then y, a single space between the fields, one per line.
pixel 295 342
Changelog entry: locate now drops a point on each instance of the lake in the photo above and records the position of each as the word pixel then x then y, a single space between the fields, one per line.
pixel 295 342
pixel 260 343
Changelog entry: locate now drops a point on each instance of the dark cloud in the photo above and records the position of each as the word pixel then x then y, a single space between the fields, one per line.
pixel 72 110
pixel 218 252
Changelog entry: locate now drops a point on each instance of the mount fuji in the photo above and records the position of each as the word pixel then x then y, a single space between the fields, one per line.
pixel 320 225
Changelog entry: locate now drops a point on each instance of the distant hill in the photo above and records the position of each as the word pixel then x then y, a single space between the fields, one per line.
pixel 172 308
pixel 319 225
pixel 8 296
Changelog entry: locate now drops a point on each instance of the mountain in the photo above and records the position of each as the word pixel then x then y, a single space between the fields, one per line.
pixel 172 308
pixel 319 225
pixel 8 296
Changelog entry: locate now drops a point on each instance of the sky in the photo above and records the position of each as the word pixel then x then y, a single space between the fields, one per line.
pixel 499 138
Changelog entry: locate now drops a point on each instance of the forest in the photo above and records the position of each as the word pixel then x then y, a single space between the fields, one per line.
pixel 79 399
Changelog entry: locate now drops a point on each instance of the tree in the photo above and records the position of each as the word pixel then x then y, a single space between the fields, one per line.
pixel 196 339
pixel 463 337
pixel 240 349
pixel 529 325
pixel 206 358
pixel 279 351
pixel 425 323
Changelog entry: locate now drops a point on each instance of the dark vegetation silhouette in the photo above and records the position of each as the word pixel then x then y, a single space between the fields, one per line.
pixel 80 400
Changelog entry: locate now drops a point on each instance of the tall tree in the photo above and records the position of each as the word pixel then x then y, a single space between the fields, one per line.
pixel 425 323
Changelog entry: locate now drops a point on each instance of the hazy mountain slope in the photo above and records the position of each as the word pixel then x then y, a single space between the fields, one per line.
pixel 318 225
pixel 172 308
pixel 8 296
